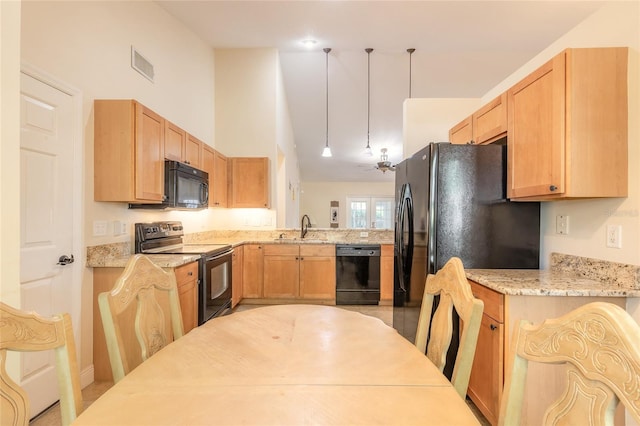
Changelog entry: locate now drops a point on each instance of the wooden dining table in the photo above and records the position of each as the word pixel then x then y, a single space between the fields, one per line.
pixel 284 365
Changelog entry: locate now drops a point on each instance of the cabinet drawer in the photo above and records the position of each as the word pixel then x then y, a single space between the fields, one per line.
pixel 281 249
pixel 317 250
pixel 186 273
pixel 493 301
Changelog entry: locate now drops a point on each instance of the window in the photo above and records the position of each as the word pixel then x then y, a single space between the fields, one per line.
pixel 370 212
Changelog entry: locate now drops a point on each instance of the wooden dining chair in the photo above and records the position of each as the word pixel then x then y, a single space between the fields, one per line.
pixel 450 283
pixel 133 318
pixel 28 332
pixel 600 343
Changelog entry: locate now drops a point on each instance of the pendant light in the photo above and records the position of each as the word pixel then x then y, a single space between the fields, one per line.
pixel 367 150
pixel 326 152
pixel 410 51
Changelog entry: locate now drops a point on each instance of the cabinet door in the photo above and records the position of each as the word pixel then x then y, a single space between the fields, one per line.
pixel 281 276
pixel 252 271
pixel 149 158
pixel 318 277
pixel 281 270
pixel 462 133
pixel 174 140
pixel 536 123
pixel 490 121
pixel 208 155
pixel 192 153
pixel 187 281
pixel 485 383
pixel 237 275
pixel 386 273
pixel 219 180
pixel 249 182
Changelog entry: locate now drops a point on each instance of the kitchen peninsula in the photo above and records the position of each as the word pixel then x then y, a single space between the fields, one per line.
pixel 510 295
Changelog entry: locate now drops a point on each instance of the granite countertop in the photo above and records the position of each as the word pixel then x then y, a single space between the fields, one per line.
pixel 568 276
pixel 162 260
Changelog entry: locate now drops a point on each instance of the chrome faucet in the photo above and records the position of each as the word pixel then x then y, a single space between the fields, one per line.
pixel 304 227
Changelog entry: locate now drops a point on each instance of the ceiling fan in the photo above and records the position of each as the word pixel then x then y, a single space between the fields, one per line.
pixel 384 164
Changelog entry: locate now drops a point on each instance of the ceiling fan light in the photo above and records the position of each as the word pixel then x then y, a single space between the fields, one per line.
pixel 326 152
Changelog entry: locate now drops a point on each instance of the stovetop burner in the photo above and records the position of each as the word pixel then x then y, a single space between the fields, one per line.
pixel 166 238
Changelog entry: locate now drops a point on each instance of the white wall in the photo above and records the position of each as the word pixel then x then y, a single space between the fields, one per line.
pixel 87 45
pixel 316 197
pixel 10 162
pixel 616 24
pixel 253 120
pixel 427 120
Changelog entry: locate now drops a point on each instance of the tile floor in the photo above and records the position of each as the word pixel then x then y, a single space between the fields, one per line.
pixel 51 417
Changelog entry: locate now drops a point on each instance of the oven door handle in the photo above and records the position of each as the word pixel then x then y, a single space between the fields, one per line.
pixel 221 255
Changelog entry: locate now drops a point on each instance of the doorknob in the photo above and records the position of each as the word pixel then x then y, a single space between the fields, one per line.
pixel 65 260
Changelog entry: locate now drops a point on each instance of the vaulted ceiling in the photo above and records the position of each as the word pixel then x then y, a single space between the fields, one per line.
pixel 463 49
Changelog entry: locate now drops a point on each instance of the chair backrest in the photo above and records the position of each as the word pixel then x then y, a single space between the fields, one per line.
pixel 133 318
pixel 600 343
pixel 451 284
pixel 28 332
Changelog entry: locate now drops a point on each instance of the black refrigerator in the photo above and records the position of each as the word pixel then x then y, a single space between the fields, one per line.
pixel 451 201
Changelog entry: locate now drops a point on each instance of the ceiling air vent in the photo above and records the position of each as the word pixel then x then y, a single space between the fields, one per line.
pixel 141 64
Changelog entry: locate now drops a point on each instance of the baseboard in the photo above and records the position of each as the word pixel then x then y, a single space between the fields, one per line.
pixel 86 377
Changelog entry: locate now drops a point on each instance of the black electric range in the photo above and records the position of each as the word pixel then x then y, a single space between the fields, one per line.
pixel 214 266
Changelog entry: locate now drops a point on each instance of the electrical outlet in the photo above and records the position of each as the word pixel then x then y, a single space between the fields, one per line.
pixel 364 234
pixel 99 228
pixel 614 236
pixel 562 224
pixel 119 228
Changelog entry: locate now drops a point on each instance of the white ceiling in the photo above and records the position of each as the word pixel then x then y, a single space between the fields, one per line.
pixel 463 49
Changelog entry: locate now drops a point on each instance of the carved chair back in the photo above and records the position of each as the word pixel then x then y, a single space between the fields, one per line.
pixel 600 344
pixel 451 284
pixel 28 332
pixel 133 317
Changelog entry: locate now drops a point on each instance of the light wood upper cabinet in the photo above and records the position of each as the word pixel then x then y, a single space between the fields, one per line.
pixel 462 133
pixel 567 126
pixel 215 164
pixel 248 182
pixel 174 141
pixel 485 125
pixel 490 121
pixel 193 152
pixel 128 152
pixel 181 146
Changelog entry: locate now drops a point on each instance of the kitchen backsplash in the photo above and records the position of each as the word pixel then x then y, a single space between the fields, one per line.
pixel 329 235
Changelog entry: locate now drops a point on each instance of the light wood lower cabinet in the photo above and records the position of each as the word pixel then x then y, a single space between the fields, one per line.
pixel 386 274
pixel 237 275
pixel 187 280
pixel 293 271
pixel 501 314
pixel 252 271
pixel 105 278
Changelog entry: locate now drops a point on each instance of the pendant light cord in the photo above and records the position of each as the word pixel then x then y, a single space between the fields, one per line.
pixel 326 51
pixel 368 50
pixel 410 53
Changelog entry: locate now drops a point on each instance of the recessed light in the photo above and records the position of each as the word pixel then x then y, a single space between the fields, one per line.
pixel 308 43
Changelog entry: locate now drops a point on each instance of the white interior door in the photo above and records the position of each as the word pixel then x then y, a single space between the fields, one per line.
pixel 46 214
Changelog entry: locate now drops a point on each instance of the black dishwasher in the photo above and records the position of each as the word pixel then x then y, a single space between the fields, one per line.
pixel 357 274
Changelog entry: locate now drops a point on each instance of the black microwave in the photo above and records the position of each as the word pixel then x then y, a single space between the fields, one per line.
pixel 185 188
